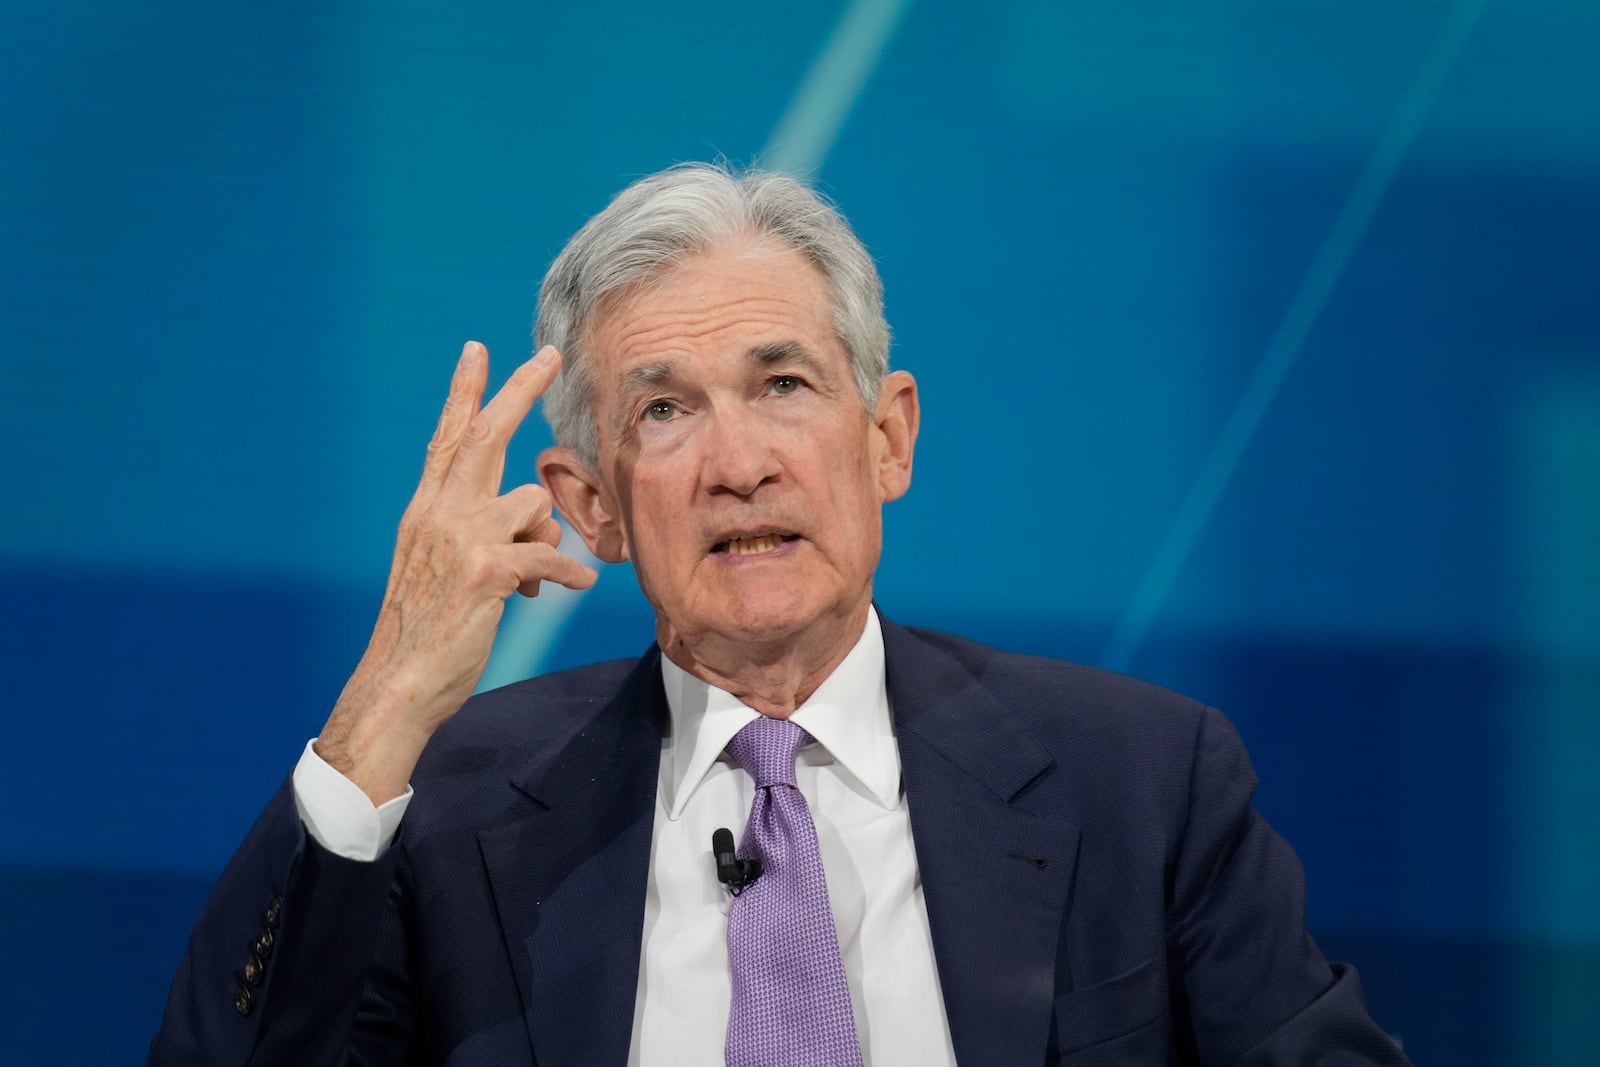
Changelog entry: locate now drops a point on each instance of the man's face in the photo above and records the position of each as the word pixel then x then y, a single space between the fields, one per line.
pixel 739 469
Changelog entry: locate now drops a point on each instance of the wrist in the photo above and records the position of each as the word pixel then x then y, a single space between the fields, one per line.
pixel 374 737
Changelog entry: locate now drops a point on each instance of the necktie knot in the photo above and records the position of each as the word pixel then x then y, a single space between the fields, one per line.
pixel 766 750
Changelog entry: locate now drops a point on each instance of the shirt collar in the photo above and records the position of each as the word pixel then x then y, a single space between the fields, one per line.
pixel 848 716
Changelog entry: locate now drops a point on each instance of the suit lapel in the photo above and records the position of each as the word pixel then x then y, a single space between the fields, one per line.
pixel 569 877
pixel 995 876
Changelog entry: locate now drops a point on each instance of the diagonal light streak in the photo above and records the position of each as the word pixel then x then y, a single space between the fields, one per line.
pixel 1288 340
pixel 820 106
pixel 799 144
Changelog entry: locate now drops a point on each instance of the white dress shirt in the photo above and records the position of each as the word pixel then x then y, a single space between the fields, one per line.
pixel 851 780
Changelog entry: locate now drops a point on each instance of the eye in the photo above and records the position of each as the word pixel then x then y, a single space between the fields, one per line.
pixel 784 384
pixel 660 411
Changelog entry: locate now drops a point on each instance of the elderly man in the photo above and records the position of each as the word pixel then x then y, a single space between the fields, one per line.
pixel 950 853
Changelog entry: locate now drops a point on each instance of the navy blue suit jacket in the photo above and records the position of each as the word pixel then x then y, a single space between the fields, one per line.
pixel 1098 887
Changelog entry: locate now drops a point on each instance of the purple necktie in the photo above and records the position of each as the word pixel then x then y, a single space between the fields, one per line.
pixel 791 1004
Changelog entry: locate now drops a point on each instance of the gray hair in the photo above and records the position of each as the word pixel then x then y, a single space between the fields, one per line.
pixel 660 221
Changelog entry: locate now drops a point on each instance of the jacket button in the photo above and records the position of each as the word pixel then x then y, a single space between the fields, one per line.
pixel 244 1001
pixel 274 912
pixel 263 945
pixel 254 970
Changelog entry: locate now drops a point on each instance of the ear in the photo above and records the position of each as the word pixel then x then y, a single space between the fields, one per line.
pixel 584 502
pixel 895 424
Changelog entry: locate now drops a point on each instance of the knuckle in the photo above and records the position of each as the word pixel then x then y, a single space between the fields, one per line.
pixel 447 433
pixel 478 432
pixel 546 559
pixel 533 497
pixel 480 566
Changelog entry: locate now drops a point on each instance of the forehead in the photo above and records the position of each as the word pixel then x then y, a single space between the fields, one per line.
pixel 724 301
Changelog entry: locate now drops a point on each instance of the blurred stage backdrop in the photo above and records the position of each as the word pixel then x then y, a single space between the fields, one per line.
pixel 1259 350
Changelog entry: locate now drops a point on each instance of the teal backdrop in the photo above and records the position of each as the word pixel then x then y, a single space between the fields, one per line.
pixel 1259 352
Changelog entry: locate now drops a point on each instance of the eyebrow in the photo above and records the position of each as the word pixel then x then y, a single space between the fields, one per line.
pixel 649 375
pixel 769 355
pixel 646 375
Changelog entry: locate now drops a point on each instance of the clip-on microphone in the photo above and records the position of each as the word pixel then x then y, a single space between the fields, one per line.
pixel 733 872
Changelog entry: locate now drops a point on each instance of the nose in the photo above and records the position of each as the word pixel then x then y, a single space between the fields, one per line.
pixel 739 456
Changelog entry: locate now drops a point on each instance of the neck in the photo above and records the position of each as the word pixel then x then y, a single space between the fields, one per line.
pixel 773 676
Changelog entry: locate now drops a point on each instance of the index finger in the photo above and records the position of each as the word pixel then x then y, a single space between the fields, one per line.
pixel 480 461
pixel 466 391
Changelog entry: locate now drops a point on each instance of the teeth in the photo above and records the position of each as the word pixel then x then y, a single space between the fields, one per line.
pixel 751 545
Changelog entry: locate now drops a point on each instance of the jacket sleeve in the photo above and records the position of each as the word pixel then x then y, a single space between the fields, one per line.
pixel 1257 988
pixel 282 966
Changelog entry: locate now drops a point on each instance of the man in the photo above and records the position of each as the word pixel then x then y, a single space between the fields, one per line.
pixel 965 855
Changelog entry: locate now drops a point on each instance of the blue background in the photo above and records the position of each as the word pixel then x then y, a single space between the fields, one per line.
pixel 1258 345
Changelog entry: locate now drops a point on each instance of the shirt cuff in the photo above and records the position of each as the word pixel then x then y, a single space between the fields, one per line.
pixel 338 815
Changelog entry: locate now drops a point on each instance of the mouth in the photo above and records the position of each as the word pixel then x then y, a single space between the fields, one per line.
pixel 753 544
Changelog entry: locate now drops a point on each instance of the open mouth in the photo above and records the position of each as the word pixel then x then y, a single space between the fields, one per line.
pixel 754 544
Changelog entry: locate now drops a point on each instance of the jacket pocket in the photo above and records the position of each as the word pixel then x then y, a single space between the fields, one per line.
pixel 1111 1009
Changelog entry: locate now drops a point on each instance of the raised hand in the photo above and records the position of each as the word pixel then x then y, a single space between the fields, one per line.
pixel 463 548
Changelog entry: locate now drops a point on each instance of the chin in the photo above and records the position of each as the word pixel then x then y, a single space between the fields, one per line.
pixel 761 616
